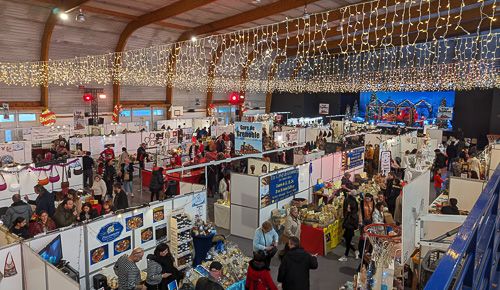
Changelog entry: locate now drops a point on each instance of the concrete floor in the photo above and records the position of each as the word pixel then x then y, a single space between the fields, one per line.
pixel 331 274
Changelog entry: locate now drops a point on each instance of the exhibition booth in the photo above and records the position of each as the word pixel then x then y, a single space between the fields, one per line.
pixel 83 255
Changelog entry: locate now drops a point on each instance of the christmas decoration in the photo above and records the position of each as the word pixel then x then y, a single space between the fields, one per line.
pixel 47 118
pixel 116 113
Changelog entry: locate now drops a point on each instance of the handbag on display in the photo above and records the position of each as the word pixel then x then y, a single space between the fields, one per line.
pixel 65 182
pixel 54 178
pixel 3 184
pixel 78 170
pixel 9 268
pixel 15 187
pixel 43 181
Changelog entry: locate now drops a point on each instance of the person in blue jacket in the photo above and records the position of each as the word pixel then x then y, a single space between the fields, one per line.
pixel 44 201
pixel 266 239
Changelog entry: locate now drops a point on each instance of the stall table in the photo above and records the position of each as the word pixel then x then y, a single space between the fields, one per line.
pixel 222 214
pixel 321 241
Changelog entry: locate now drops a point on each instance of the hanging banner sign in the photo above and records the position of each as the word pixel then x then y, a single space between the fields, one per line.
pixel 248 137
pixel 283 185
pixel 324 109
pixel 355 157
pixel 110 232
pixel 78 120
pixel 385 162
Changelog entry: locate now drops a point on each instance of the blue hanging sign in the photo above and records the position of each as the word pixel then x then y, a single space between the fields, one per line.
pixel 283 185
pixel 110 232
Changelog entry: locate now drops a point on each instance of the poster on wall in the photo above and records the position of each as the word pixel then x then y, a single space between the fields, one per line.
pixel 110 232
pixel 283 185
pixel 78 120
pixel 385 162
pixel 134 222
pixel 99 254
pixel 6 154
pixel 248 138
pixel 158 214
pixel 11 260
pixel 324 109
pixel 198 203
pixel 122 245
pixel 146 235
pixel 265 199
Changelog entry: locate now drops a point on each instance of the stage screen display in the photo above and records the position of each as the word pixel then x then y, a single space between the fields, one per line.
pixel 414 109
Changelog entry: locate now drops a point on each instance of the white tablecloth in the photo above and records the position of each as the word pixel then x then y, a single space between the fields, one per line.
pixel 222 214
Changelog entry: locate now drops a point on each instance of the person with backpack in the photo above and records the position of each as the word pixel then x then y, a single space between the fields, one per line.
pixel 258 274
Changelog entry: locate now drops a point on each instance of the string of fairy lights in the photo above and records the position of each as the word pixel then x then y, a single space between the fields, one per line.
pixel 377 45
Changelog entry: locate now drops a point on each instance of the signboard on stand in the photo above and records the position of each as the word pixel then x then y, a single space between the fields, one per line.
pixel 385 162
pixel 248 138
pixel 283 185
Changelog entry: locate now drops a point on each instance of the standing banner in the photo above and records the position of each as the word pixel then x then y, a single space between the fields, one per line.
pixel 78 120
pixel 248 137
pixel 283 185
pixel 385 162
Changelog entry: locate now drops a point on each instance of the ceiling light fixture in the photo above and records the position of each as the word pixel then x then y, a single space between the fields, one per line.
pixel 193 38
pixel 63 16
pixel 306 14
pixel 80 17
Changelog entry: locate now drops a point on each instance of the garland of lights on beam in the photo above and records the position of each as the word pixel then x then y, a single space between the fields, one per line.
pixel 409 45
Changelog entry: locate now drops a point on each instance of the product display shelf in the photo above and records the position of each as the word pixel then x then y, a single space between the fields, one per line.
pixel 180 240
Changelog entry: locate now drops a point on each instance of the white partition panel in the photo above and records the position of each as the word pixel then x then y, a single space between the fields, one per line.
pixel 303 176
pixel 186 187
pixel 285 201
pixel 11 256
pixel 57 280
pixel 415 203
pixel 337 165
pixel 466 191
pixel 304 194
pixel 133 141
pixel 35 280
pixel 244 221
pixel 316 172
pixel 435 225
pixel 245 190
pixel 327 167
pixel 494 159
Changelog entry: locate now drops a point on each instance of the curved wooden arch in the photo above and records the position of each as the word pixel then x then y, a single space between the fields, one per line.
pixel 149 18
pixel 45 46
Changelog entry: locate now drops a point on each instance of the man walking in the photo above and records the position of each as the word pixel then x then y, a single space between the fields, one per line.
pixel 295 266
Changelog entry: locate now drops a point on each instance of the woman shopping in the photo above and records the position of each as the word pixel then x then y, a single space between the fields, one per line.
pixel 160 269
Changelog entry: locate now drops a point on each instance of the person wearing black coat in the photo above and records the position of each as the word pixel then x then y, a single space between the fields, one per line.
pixel 44 201
pixel 350 223
pixel 294 269
pixel 156 184
pixel 121 199
pixel 440 159
pixel 109 177
pixel 393 195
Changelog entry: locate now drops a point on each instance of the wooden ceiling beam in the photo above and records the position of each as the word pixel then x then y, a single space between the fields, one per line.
pixel 238 19
pixel 245 17
pixel 165 12
pixel 47 36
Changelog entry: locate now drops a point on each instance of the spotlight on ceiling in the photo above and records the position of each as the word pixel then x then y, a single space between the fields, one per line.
pixel 63 16
pixel 256 1
pixel 193 38
pixel 80 17
pixel 102 96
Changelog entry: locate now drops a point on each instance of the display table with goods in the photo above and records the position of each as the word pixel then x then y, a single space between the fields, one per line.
pixel 325 192
pixel 202 234
pixel 321 229
pixel 188 176
pixel 440 201
pixel 234 266
pixel 222 213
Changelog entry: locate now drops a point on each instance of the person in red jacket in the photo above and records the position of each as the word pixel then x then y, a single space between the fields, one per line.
pixel 258 274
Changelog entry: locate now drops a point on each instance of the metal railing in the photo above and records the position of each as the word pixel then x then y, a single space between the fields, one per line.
pixel 472 260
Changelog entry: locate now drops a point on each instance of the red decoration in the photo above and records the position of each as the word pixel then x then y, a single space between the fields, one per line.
pixel 47 118
pixel 116 113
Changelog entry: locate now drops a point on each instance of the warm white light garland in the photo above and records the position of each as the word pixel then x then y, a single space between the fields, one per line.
pixel 408 45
